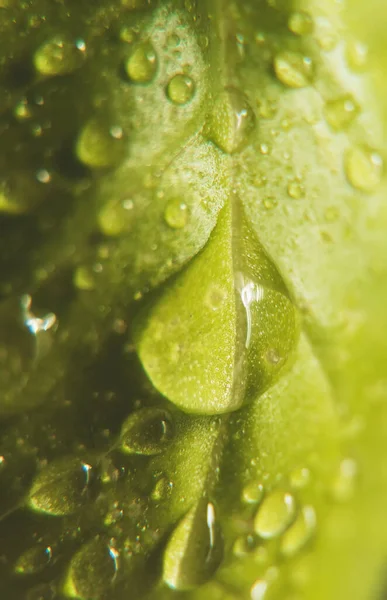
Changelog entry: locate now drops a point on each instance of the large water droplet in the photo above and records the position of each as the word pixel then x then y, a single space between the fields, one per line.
pixel 300 23
pixel 180 89
pixel 299 534
pixel 341 111
pixel 231 122
pixel 59 56
pixel 176 214
pixel 275 514
pixel 293 69
pixel 116 217
pixel 363 168
pixel 92 570
pixel 34 560
pixel 100 144
pixel 147 431
pixel 61 487
pixel 141 66
pixel 194 550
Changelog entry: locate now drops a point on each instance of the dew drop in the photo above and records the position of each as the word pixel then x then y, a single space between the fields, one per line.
pixel 299 478
pixel 141 66
pixel 180 89
pixel 22 110
pixel 116 217
pixel 100 145
pixel 275 514
pixel 194 550
pixel 341 112
pixel 61 487
pixel 293 69
pixel 147 431
pixel 92 570
pixel 300 533
pixel 357 55
pixel 363 168
pixel 263 588
pixel 295 189
pixel 59 56
pixel 243 545
pixel 176 214
pixel 343 487
pixel 252 493
pixel 84 278
pixel 162 489
pixel 300 23
pixel 34 560
pixel 232 121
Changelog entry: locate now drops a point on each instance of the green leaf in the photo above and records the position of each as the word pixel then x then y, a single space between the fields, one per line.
pixel 196 212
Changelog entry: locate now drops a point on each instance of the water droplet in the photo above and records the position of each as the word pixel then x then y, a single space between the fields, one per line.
pixel 92 570
pixel 363 168
pixel 100 145
pixel 162 489
pixel 22 110
pixel 180 89
pixel 263 588
pixel 343 487
pixel 252 493
pixel 295 189
pixel 59 56
pixel 176 214
pixel 61 487
pixel 275 514
pixel 243 545
pixel 43 176
pixel 232 121
pixel 341 112
pixel 147 431
pixel 141 66
pixel 293 69
pixel 116 217
pixel 195 549
pixel 128 34
pixel 215 296
pixel 300 23
pixel 300 533
pixel 357 55
pixel 84 278
pixel 299 478
pixel 34 560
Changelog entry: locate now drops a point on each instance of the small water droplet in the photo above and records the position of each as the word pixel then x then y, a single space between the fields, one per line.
pixel 116 217
pixel 262 589
pixel 100 145
pixel 295 189
pixel 141 66
pixel 299 478
pixel 300 533
pixel 180 89
pixel 22 110
pixel 264 149
pixel 128 34
pixel 300 23
pixel 34 560
pixel 195 549
pixel 341 112
pixel 84 278
pixel 92 570
pixel 363 168
pixel 252 493
pixel 343 487
pixel 147 431
pixel 176 214
pixel 232 121
pixel 275 514
pixel 59 56
pixel 357 55
pixel 162 489
pixel 293 69
pixel 243 545
pixel 43 176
